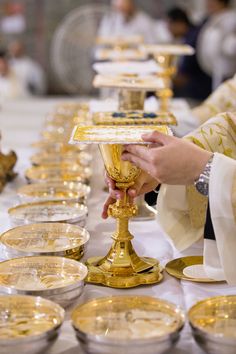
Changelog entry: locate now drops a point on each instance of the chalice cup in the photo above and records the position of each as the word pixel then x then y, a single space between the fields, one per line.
pixel 122 267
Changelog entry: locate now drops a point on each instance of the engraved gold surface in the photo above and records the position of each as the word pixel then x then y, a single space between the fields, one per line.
pixel 54 191
pixel 55 239
pixel 114 135
pixel 27 316
pixel 48 211
pixel 40 273
pixel 134 117
pixel 177 266
pixel 58 173
pixel 127 318
pixel 215 316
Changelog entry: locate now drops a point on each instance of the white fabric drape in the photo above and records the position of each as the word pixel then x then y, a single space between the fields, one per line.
pixel 220 199
pixel 174 217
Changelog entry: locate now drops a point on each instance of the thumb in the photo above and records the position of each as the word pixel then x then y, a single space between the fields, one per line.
pixel 157 138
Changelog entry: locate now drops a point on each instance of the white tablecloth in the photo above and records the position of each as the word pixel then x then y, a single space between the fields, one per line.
pixel 21 123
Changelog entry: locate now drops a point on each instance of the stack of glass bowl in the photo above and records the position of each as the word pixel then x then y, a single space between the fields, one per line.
pixel 42 251
pixel 60 173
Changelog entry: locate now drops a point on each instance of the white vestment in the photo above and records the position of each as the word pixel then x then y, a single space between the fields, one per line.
pixel 31 75
pixel 12 87
pixel 182 210
pixel 114 24
pixel 216 47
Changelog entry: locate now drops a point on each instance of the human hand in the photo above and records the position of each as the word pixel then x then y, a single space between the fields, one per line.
pixel 143 184
pixel 168 160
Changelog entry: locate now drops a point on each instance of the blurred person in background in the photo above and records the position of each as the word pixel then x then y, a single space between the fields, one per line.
pixel 28 71
pixel 216 47
pixel 13 20
pixel 190 81
pixel 10 85
pixel 125 19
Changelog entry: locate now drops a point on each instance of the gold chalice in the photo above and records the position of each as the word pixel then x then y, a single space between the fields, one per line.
pixel 121 267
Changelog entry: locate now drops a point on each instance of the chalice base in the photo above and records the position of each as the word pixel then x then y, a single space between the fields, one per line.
pixel 97 275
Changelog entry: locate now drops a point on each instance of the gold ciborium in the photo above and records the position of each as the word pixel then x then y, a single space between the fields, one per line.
pixel 167 63
pixel 166 57
pixel 121 267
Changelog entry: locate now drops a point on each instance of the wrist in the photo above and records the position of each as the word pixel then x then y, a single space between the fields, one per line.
pixel 202 161
pixel 202 182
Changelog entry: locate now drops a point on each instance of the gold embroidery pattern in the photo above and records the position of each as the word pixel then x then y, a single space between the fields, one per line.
pixel 217 135
pixel 222 100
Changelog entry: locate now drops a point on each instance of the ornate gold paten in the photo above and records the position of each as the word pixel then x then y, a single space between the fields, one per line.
pixel 176 268
pixel 105 134
pixel 121 267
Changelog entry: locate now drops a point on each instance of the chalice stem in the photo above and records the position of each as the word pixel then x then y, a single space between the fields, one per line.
pixel 122 259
